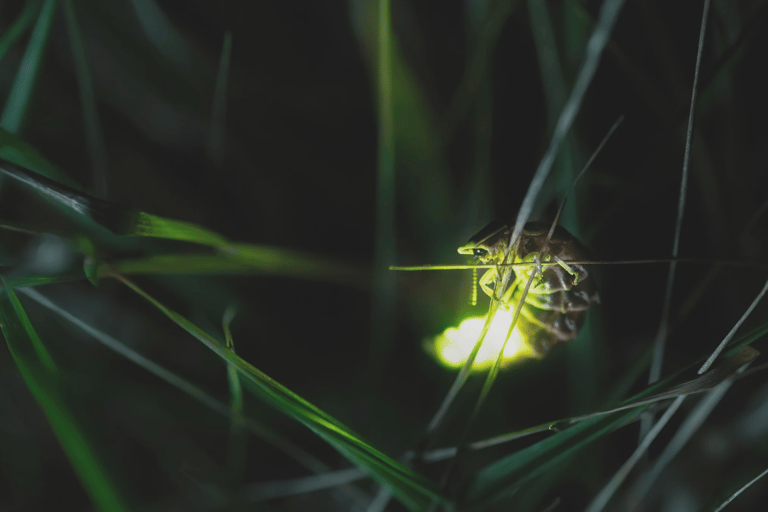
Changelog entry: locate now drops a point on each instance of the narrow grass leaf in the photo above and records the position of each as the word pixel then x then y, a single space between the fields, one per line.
pixel 270 490
pixel 385 241
pixel 597 41
pixel 512 471
pixel 685 432
pixel 218 114
pixel 237 440
pixel 412 489
pixel 736 494
pixel 93 135
pixel 44 385
pixel 661 336
pixel 181 384
pixel 601 500
pixel 19 26
pixel 730 335
pixel 44 358
pixel 159 227
pixel 21 92
pixel 165 38
pixel 509 473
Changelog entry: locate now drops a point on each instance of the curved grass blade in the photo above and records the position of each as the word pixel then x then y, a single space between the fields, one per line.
pixel 413 490
pixel 18 100
pixel 44 385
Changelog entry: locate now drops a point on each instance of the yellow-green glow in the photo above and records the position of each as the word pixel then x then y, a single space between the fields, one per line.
pixel 453 346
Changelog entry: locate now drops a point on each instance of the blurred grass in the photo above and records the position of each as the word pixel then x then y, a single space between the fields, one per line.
pixel 475 91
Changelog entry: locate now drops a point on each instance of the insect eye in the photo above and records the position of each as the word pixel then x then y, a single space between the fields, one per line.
pixel 479 253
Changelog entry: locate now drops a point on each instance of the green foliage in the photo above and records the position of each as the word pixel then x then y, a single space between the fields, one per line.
pixel 227 154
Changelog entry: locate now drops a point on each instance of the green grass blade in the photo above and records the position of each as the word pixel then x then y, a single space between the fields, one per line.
pixel 18 100
pixel 163 35
pixel 19 335
pixel 159 227
pixel 744 488
pixel 245 259
pixel 385 247
pixel 18 315
pixel 508 473
pixel 608 14
pixel 181 384
pixel 218 113
pixel 19 26
pixel 237 439
pixel 93 135
pixel 412 489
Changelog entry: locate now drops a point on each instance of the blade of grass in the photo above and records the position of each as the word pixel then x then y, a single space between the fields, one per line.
pixel 601 500
pixel 736 326
pixel 661 335
pixel 45 387
pixel 93 134
pixel 412 489
pixel 237 439
pixel 507 474
pixel 19 26
pixel 385 247
pixel 218 112
pixel 685 432
pixel 260 430
pixel 597 41
pixel 514 470
pixel 165 38
pixel 21 92
pixel 736 494
pixel 263 491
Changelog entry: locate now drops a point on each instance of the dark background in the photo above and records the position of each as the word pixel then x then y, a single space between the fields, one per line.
pixel 474 110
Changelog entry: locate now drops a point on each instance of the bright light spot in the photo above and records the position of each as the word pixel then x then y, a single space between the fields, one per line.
pixel 453 346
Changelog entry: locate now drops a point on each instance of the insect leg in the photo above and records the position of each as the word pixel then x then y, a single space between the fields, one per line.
pixel 577 275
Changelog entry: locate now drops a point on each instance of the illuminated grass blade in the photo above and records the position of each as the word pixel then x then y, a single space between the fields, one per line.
pixel 412 489
pixel 231 257
pixel 159 227
pixel 18 100
pixel 36 368
pixel 245 259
